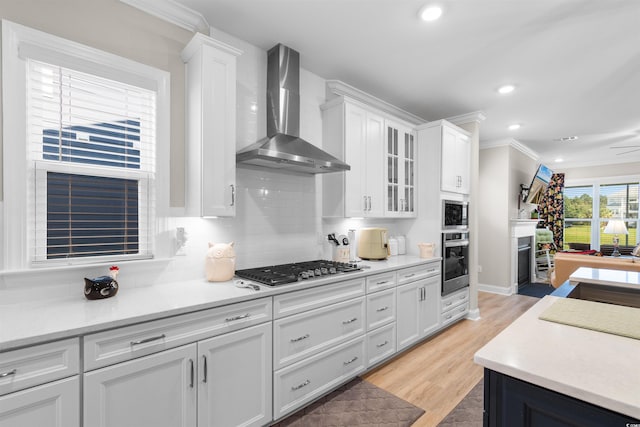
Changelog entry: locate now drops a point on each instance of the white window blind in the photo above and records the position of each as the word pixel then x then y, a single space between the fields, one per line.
pixel 91 151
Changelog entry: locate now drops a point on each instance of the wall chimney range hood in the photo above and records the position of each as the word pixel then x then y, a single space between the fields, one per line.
pixel 283 148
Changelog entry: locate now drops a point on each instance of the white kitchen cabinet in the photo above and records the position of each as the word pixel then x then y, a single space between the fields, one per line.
pixel 209 368
pixel 418 310
pixel 456 159
pixel 354 134
pixel 210 127
pixel 400 171
pixel 157 390
pixel 39 385
pixel 235 378
pixel 56 404
pixel 454 145
pixel 454 306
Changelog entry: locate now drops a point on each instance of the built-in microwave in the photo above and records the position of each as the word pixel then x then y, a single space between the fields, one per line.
pixel 455 215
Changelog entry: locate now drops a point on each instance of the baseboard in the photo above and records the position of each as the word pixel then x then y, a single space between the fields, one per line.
pixel 473 314
pixel 496 289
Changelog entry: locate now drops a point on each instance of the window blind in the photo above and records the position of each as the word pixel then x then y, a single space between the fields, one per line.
pixel 92 153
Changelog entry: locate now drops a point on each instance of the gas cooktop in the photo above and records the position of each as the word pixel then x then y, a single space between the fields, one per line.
pixel 276 275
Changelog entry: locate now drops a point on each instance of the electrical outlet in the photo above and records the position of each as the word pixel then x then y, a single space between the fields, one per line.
pixel 181 240
pixel 479 269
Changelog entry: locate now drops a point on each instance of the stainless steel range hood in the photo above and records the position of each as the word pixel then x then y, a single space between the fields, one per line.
pixel 283 148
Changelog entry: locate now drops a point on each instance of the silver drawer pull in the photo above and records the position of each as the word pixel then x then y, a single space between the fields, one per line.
pixel 146 340
pixel 463 296
pixel 448 304
pixel 304 337
pixel 386 307
pixel 346 322
pixel 191 369
pixel 449 316
pixel 299 386
pixel 431 270
pixel 8 373
pixel 348 362
pixel 383 344
pixel 409 275
pixel 382 283
pixel 241 316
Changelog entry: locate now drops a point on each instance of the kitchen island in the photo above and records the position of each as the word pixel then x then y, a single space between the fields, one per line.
pixel 539 372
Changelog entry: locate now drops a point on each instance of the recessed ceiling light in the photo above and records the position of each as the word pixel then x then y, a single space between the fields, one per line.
pixel 503 90
pixel 514 126
pixel 559 160
pixel 566 138
pixel 430 13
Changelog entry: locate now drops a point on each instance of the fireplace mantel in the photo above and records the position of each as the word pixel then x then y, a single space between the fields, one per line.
pixel 521 228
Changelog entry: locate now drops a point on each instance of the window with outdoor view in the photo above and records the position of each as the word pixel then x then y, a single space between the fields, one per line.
pixel 83 143
pixel 588 209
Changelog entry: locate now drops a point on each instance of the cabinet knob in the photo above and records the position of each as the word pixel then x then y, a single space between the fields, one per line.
pixel 233 195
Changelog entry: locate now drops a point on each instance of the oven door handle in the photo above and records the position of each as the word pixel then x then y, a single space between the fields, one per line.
pixel 452 244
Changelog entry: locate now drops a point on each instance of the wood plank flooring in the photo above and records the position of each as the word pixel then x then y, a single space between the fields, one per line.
pixel 438 373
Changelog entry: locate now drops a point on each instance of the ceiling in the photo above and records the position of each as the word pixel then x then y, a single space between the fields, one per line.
pixel 575 63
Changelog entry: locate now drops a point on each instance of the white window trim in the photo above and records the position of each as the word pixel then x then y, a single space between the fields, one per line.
pixel 19 41
pixel 596 183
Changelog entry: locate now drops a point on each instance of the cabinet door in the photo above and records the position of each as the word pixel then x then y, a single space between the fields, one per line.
pixel 235 378
pixel 400 171
pixel 157 390
pixel 356 202
pixel 456 161
pixel 430 306
pixel 375 163
pixel 408 204
pixel 464 154
pixel 450 177
pixel 210 127
pixel 218 133
pixel 408 315
pixel 56 404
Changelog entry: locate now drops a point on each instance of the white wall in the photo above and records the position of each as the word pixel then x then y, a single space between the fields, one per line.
pixel 494 254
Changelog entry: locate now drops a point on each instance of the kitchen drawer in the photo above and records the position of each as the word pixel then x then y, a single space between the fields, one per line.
pixel 308 299
pixel 412 274
pixel 38 364
pixel 305 381
pixel 117 345
pixel 381 308
pixel 304 334
pixel 454 314
pixel 381 281
pixel 381 344
pixel 454 300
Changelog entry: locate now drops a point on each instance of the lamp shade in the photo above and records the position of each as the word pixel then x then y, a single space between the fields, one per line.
pixel 615 226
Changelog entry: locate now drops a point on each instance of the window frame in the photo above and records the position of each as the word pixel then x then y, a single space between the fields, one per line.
pixel 596 221
pixel 18 44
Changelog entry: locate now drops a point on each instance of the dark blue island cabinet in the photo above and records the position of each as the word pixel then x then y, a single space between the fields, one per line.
pixel 509 402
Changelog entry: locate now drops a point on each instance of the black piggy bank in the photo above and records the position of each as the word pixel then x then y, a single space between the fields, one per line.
pixel 100 287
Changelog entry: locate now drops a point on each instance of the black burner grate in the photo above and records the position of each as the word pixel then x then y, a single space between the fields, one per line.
pixel 276 275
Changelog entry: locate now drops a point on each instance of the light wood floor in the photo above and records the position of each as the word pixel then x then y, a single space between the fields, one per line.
pixel 438 373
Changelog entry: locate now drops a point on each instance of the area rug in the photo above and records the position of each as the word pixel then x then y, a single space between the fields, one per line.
pixel 357 403
pixel 537 290
pixel 469 412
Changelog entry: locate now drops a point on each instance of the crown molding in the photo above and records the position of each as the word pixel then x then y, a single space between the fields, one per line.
pixel 172 12
pixel 510 142
pixel 200 39
pixel 473 117
pixel 339 88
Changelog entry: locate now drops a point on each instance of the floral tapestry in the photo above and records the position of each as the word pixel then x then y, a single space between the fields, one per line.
pixel 551 209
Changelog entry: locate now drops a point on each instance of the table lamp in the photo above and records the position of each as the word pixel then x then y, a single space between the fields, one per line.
pixel 615 227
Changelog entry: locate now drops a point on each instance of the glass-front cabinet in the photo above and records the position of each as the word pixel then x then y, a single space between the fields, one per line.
pixel 400 171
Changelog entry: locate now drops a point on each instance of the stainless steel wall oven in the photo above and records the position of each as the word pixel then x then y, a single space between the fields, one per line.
pixel 455 260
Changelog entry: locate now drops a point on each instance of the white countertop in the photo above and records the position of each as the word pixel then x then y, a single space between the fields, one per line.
pixel 595 367
pixel 603 276
pixel 41 319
